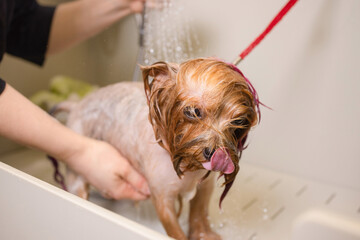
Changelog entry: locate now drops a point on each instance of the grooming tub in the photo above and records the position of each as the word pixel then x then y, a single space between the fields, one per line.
pixel 300 176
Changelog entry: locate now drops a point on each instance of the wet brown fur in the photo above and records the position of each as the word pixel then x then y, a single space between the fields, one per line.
pixel 212 87
pixel 202 103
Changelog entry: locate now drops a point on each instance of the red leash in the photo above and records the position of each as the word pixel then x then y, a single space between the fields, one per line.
pixel 272 24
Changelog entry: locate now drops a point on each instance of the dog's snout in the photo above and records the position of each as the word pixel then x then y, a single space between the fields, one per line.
pixel 208 152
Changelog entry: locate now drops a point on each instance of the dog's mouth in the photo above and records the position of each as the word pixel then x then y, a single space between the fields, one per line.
pixel 220 161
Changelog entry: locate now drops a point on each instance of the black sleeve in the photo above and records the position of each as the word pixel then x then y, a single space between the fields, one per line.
pixel 29 31
pixel 2 86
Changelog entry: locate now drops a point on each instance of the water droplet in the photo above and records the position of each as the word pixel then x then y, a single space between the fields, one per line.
pixel 221 225
pixel 168 33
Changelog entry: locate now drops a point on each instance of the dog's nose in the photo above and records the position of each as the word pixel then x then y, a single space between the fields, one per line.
pixel 207 152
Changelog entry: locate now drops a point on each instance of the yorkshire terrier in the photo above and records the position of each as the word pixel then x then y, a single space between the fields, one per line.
pixel 193 120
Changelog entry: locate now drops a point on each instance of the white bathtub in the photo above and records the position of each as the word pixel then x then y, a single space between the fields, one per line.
pixel 33 209
pixel 263 204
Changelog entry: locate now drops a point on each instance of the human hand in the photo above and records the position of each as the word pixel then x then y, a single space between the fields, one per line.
pixel 109 172
pixel 136 6
pixel 126 6
pixel 157 4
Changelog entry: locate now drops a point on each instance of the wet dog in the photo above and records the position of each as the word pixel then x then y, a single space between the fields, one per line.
pixel 192 120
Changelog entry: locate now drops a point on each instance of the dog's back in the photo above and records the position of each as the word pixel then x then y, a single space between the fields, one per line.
pixel 118 114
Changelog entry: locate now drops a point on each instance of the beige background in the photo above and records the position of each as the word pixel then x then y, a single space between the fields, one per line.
pixel 307 70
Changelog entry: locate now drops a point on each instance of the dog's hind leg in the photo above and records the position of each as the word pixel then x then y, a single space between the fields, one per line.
pixel 199 227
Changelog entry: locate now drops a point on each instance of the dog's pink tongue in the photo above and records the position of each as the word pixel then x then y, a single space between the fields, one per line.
pixel 220 161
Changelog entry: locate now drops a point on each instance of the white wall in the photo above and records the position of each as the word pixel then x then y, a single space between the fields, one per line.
pixel 306 70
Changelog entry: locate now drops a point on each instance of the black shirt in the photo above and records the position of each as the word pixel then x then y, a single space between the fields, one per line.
pixel 24 30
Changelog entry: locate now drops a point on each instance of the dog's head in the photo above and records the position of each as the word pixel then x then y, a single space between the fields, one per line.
pixel 201 112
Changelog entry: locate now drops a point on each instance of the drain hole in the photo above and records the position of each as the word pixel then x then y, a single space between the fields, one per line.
pixel 330 198
pixel 252 236
pixel 277 213
pixel 249 204
pixel 274 184
pixel 301 190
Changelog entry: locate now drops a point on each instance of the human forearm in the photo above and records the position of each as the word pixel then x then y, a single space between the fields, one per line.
pixel 79 20
pixel 25 123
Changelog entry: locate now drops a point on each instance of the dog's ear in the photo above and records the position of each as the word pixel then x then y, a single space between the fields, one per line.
pixel 158 75
pixel 159 82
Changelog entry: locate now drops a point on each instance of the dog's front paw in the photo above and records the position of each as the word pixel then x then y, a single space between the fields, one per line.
pixel 208 235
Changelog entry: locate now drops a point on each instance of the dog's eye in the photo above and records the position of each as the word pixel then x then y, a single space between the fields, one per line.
pixel 241 122
pixel 238 122
pixel 239 132
pixel 192 113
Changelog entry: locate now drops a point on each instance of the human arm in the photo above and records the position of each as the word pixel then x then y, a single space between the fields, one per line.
pixel 79 20
pixel 97 161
